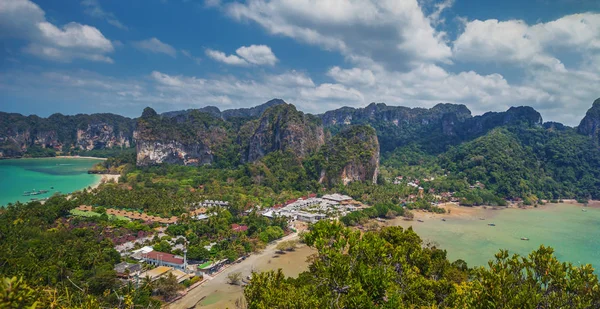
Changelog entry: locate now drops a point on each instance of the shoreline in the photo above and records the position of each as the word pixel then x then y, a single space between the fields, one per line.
pixel 104 178
pixel 455 211
pixel 55 157
pixel 78 157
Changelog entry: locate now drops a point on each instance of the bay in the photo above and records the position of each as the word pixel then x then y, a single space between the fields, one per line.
pixel 53 174
pixel 572 230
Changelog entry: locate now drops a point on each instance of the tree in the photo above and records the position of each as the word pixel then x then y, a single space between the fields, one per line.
pixel 392 268
pixel 15 293
pixel 234 278
pixel 281 246
pixel 162 246
pixel 167 286
pixel 536 281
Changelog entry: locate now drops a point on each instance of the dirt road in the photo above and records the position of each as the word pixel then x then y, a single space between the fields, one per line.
pixel 217 293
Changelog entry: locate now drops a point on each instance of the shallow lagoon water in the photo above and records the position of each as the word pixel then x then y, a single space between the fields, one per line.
pixel 64 174
pixel 574 234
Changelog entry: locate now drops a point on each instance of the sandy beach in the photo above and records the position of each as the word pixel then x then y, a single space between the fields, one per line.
pixel 80 157
pixel 106 178
pixel 217 293
pixel 453 210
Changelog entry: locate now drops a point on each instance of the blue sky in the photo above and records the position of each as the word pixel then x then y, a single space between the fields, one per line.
pixel 85 56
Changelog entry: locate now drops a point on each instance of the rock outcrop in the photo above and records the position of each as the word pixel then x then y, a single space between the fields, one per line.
pixel 590 124
pixel 399 116
pixel 251 112
pixel 351 155
pixel 152 152
pixel 186 139
pixel 283 128
pixel 22 135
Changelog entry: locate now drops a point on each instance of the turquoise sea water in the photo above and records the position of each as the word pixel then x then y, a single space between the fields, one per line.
pixel 64 174
pixel 573 233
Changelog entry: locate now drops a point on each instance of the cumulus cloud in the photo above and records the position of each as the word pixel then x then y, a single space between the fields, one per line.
pixel 514 41
pixel 352 76
pixel 385 31
pixel 253 54
pixel 222 57
pixel 93 8
pixel 154 45
pixel 423 86
pixel 25 20
pixel 257 54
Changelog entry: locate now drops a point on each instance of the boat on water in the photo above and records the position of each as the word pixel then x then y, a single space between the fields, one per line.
pixel 443 219
pixel 34 192
pixel 491 224
pixel 481 218
pixel 584 210
pixel 420 220
pixel 524 238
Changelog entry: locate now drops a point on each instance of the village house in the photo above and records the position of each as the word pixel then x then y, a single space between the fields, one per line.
pixel 164 271
pixel 309 217
pixel 165 259
pixel 127 270
pixel 337 198
pixel 239 228
pixel 211 266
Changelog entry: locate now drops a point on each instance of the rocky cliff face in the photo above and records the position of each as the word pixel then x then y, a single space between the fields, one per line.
pixel 590 124
pixel 351 155
pixel 20 134
pixel 152 152
pixel 100 136
pixel 251 112
pixel 283 128
pixel 522 115
pixel 398 116
pixel 186 139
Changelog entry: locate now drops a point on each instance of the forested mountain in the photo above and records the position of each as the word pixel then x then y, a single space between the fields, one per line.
pixel 513 153
pixel 35 136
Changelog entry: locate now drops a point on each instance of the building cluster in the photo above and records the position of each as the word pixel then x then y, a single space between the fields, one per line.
pixel 162 264
pixel 211 203
pixel 202 211
pixel 311 209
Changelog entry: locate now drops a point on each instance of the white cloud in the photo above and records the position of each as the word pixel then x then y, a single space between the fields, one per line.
pixel 93 8
pixel 559 97
pixel 257 54
pixel 384 30
pixel 154 45
pixel 25 20
pixel 222 57
pixel 253 54
pixel 439 8
pixel 74 35
pixel 352 76
pixel 291 79
pixel 516 42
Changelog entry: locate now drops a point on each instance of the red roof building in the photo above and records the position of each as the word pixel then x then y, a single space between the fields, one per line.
pixel 239 228
pixel 164 259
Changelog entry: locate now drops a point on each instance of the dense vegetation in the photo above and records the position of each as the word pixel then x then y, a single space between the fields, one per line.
pixel 392 268
pixel 62 266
